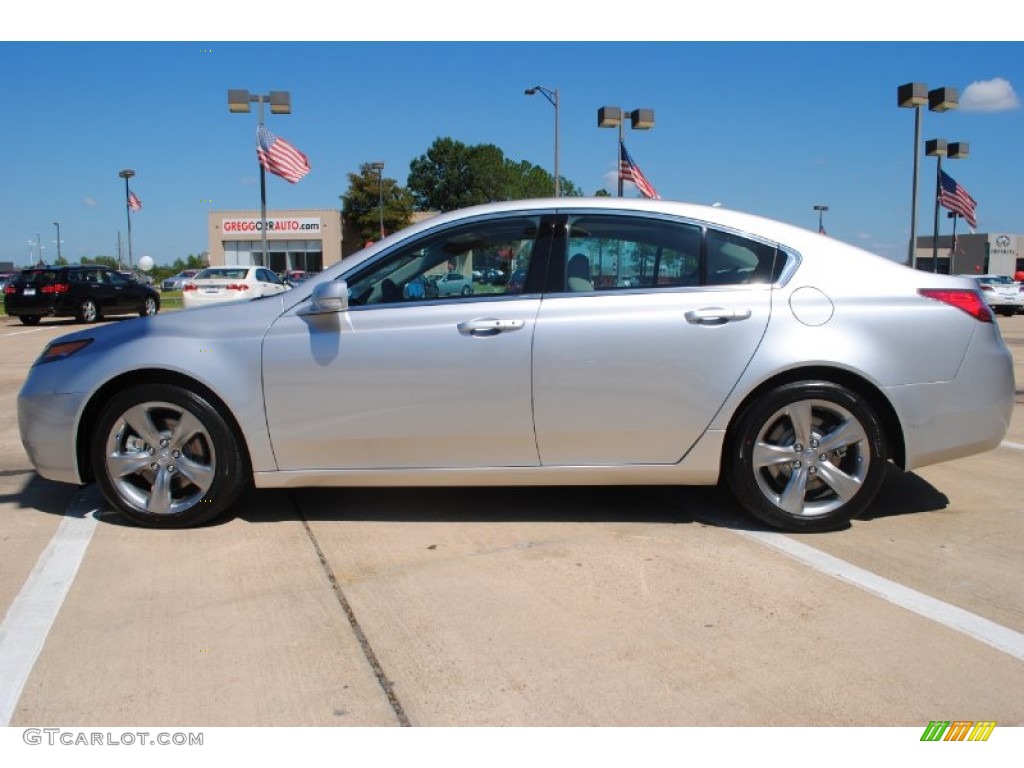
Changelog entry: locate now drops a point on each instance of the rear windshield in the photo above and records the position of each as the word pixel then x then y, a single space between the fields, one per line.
pixel 37 276
pixel 222 274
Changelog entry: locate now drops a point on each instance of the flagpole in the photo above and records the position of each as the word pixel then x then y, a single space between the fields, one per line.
pixel 952 247
pixel 263 196
pixel 126 174
pixel 618 164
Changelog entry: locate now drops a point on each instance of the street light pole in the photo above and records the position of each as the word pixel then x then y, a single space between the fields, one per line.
pixel 57 225
pixel 914 96
pixel 611 117
pixel 126 174
pixel 379 167
pixel 280 104
pixel 552 97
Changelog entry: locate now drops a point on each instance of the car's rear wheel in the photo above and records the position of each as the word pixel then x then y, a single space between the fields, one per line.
pixel 808 456
pixel 88 311
pixel 29 319
pixel 148 308
pixel 165 458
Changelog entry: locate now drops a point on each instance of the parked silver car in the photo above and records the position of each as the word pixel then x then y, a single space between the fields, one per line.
pixel 177 282
pixel 454 284
pixel 644 342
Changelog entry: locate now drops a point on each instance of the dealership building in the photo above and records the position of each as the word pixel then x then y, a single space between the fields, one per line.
pixel 308 240
pixel 998 253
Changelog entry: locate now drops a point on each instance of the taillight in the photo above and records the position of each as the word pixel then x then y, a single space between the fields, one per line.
pixel 188 287
pixel 969 301
pixel 236 287
pixel 988 288
pixel 55 288
pixel 9 289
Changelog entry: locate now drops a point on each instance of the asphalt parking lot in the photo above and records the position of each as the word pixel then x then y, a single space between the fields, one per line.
pixel 482 607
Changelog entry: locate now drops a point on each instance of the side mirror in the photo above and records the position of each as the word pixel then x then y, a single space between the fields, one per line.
pixel 328 297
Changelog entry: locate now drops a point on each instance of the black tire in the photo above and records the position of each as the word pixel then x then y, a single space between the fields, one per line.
pixel 807 456
pixel 466 290
pixel 30 319
pixel 88 311
pixel 149 307
pixel 165 458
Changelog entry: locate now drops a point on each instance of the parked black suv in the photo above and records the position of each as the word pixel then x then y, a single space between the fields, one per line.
pixel 86 292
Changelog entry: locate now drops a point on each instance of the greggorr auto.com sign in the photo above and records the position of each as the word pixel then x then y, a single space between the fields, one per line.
pixel 243 226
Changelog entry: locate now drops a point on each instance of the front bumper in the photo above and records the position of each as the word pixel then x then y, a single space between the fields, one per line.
pixel 46 421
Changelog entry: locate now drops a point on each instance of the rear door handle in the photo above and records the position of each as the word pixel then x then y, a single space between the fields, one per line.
pixel 716 315
pixel 489 326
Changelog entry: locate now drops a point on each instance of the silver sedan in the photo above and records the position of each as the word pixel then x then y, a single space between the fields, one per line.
pixel 643 342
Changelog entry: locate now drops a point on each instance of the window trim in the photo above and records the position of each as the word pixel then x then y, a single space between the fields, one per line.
pixel 556 282
pixel 535 279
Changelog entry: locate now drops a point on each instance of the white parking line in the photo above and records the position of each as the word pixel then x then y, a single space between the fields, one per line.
pixel 28 620
pixel 1008 444
pixel 18 333
pixel 988 632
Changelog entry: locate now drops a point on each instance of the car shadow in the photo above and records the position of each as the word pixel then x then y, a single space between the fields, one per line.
pixel 40 494
pixel 901 494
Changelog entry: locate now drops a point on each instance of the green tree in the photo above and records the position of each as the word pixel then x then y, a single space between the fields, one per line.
pixel 104 261
pixel 454 175
pixel 361 204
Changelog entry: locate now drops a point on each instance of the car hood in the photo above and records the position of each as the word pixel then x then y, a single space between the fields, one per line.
pixel 246 319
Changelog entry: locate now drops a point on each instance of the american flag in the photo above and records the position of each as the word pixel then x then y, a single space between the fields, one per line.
pixel 628 171
pixel 133 201
pixel 955 198
pixel 280 157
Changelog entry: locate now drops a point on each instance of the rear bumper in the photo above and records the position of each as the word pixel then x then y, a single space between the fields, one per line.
pixel 967 415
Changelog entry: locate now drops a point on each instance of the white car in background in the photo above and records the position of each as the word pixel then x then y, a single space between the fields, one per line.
pixel 215 285
pixel 1004 294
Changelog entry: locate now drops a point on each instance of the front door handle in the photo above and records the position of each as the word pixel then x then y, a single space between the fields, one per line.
pixel 489 326
pixel 716 315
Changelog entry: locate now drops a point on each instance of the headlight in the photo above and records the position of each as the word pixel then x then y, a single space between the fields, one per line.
pixel 62 349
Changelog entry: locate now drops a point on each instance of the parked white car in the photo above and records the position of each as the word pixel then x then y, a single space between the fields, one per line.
pixel 1003 293
pixel 219 284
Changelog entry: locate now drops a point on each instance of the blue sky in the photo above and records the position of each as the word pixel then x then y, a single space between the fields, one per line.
pixel 773 128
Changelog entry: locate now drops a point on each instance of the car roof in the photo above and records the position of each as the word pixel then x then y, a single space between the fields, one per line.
pixel 791 236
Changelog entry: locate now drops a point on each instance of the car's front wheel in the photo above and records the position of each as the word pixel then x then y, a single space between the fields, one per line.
pixel 164 457
pixel 29 319
pixel 807 456
pixel 148 308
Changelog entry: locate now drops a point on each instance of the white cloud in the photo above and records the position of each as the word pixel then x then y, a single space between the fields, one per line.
pixel 995 95
pixel 89 202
